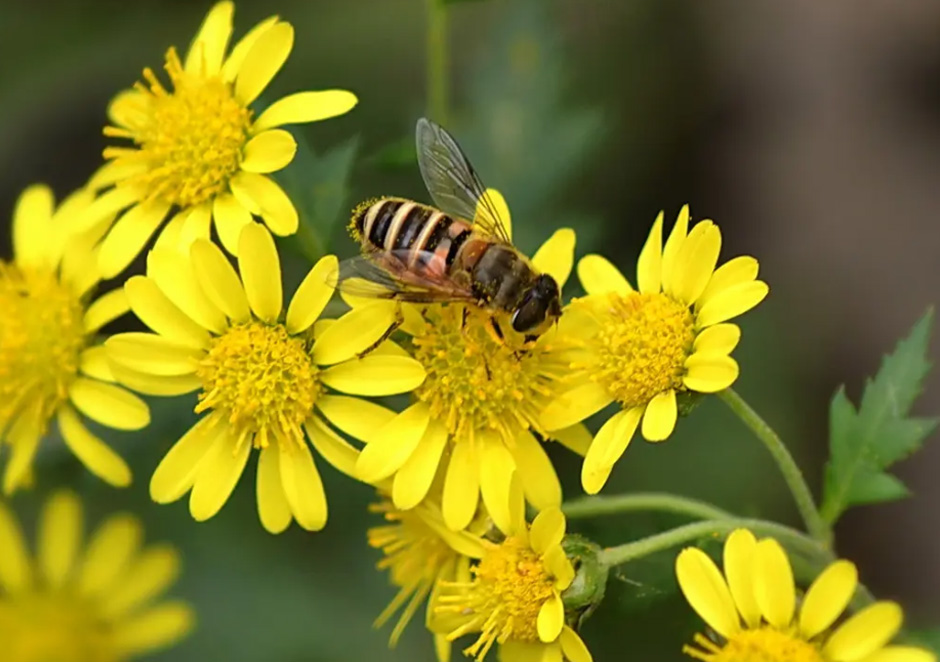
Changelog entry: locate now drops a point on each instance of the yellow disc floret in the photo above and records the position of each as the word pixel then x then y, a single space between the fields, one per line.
pixel 41 339
pixel 760 645
pixel 43 627
pixel 191 138
pixel 642 345
pixel 263 379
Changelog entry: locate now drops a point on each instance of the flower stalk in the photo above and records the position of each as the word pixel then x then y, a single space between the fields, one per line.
pixel 437 61
pixel 651 501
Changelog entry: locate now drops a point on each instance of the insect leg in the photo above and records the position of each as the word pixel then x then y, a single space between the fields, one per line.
pixel 396 323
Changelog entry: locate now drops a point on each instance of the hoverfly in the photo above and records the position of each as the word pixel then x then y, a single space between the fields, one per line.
pixel 459 252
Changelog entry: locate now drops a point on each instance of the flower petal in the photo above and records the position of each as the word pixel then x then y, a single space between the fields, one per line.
pixel 105 206
pixel 302 107
pixel 156 311
pixel 15 568
pixel 354 416
pixel 864 633
pixel 230 217
pixel 575 405
pixel 110 551
pixel 219 281
pixel 535 471
pixel 273 509
pixel 391 446
pixel 673 244
pixel 576 438
pixel 774 588
pixel 331 447
pixel 718 339
pixel 173 273
pixel 414 478
pixel 265 58
pixel 556 256
pixel 260 195
pixel 269 151
pixel 24 436
pixel 548 530
pixel 731 302
pixel 492 212
pixel 375 375
pixel 660 418
pixel 461 488
pixel 32 226
pixel 152 354
pixel 496 468
pixel 738 563
pixel 901 654
pixel 827 598
pixel 93 363
pixel 104 309
pixel 109 404
pixel 154 384
pixel 60 533
pixel 153 628
pixel 354 332
pixel 706 591
pixel 261 272
pixel 608 446
pixel 736 271
pixel 179 467
pixel 551 619
pixel 129 235
pixel 148 576
pixel 96 455
pixel 218 473
pixel 710 373
pixel 311 296
pixel 696 262
pixel 599 276
pixel 573 646
pixel 302 485
pixel 649 265
pixel 205 54
pixel 236 58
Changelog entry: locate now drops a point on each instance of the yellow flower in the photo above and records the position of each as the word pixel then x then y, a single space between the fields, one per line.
pixel 643 347
pixel 419 551
pixel 100 605
pixel 262 379
pixel 198 149
pixel 476 411
pixel 513 594
pixel 753 609
pixel 50 365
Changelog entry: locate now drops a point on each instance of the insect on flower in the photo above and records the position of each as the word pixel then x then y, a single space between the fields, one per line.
pixel 417 253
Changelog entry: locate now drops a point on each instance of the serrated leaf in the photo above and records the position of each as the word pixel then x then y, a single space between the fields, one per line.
pixel 864 442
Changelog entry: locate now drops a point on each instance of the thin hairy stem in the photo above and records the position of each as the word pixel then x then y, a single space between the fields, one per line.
pixel 595 506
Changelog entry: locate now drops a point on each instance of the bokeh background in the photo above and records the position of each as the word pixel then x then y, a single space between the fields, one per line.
pixel 809 131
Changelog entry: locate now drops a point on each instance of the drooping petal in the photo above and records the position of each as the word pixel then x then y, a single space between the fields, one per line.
pixel 414 478
pixel 179 467
pixel 60 533
pixel 302 485
pixel 599 276
pixel 156 311
pixel 827 597
pixel 302 107
pixel 230 218
pixel 649 264
pixel 262 196
pixel 331 447
pixel 260 268
pixel 865 632
pixel 535 471
pixel 706 591
pixel 710 373
pixel 556 256
pixel 731 302
pixel 551 619
pixel 774 588
pixel 273 509
pixel 269 151
pixel 496 468
pixel 354 416
pixel 375 375
pixel 738 563
pixel 608 446
pixel 219 281
pixel 573 647
pixel 218 473
pixel 311 296
pixel 461 488
pixel 660 418
pixel 575 405
pixel 24 436
pixel 696 262
pixel 129 234
pixel 109 404
pixel 576 438
pixel 96 455
pixel 390 447
pixel 262 62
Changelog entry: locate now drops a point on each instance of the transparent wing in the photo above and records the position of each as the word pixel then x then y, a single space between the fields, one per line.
pixel 388 276
pixel 452 182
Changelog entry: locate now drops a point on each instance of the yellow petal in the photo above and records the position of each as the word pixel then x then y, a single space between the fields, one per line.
pixel 375 375
pixel 110 552
pixel 548 530
pixel 354 416
pixel 208 48
pixel 261 272
pixel 575 405
pixel 496 468
pixel 573 647
pixel 535 471
pixel 269 151
pixel 24 436
pixel 198 225
pixel 312 296
pixel 15 568
pixel 219 281
pixel 710 373
pixel 32 226
pixel 104 309
pixel 170 236
pixel 696 262
pixel 735 271
pixel 551 619
pixel 556 256
pixel 236 58
pixel 391 446
pixel 608 446
pixel 218 474
pixel 414 478
pixel 262 196
pixel 302 107
pixel 174 275
pixel 576 438
pixel 901 654
pixel 461 488
pixel 864 633
pixel 718 339
pixel 660 418
pixel 152 354
pixel 331 447
pixel 302 485
pixel 706 591
pixel 155 628
pixel 599 276
pixel 60 533
pixel 156 311
pixel 109 404
pixel 731 302
pixel 179 467
pixel 354 332
pixel 492 211
pixel 129 235
pixel 148 576
pixel 93 363
pixel 230 217
pixel 105 207
pixel 738 563
pixel 97 456
pixel 262 62
pixel 774 589
pixel 673 244
pixel 273 509
pixel 827 598
pixel 154 384
pixel 649 265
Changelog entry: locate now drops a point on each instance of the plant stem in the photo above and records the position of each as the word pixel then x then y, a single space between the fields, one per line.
pixel 790 538
pixel 815 524
pixel 437 61
pixel 598 505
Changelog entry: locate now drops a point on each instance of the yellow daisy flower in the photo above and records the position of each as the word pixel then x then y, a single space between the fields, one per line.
pixel 198 150
pixel 50 365
pixel 97 605
pixel 753 609
pixel 477 410
pixel 261 378
pixel 643 347
pixel 513 594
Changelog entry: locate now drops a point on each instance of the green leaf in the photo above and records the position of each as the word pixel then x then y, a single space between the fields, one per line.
pixel 865 441
pixel 397 154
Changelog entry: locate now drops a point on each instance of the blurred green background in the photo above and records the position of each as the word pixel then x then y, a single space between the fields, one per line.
pixel 809 131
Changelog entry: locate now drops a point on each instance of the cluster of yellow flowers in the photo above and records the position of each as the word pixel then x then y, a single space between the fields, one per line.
pixel 454 470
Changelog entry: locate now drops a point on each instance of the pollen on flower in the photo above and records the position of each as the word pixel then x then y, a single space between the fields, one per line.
pixel 36 627
pixel 262 379
pixel 41 339
pixel 191 137
pixel 758 645
pixel 642 345
pixel 474 382
pixel 503 600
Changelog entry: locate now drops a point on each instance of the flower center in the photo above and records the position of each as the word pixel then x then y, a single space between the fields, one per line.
pixel 760 645
pixel 262 379
pixel 41 628
pixel 474 382
pixel 414 552
pixel 41 339
pixel 502 602
pixel 642 345
pixel 191 138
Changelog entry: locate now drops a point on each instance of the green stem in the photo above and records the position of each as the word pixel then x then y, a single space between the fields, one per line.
pixel 815 524
pixel 789 538
pixel 599 505
pixel 437 61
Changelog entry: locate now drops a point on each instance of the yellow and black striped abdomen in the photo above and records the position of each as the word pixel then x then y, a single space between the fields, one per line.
pixel 395 224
